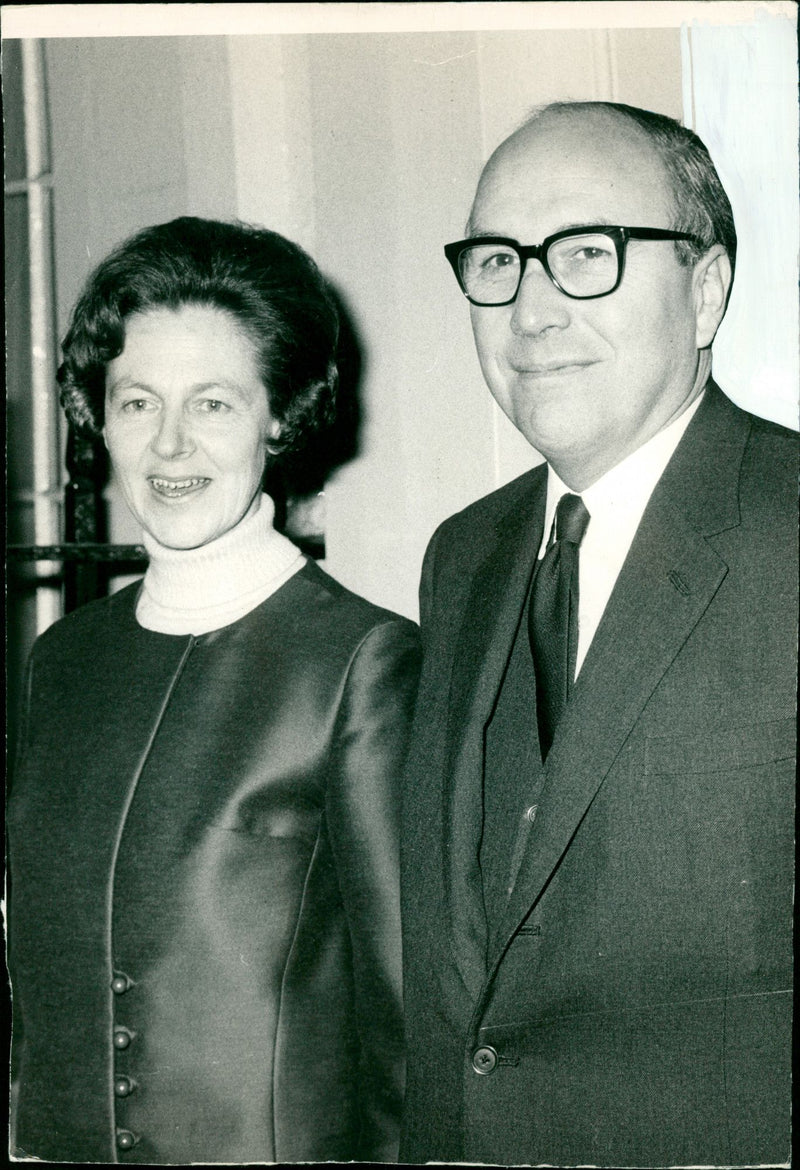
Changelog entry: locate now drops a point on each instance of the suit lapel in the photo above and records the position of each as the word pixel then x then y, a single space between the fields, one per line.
pixel 491 618
pixel 493 612
pixel 667 582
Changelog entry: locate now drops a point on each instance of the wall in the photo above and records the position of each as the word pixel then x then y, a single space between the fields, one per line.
pixel 141 133
pixel 740 95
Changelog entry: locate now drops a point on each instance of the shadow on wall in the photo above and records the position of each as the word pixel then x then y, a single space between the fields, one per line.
pixel 297 485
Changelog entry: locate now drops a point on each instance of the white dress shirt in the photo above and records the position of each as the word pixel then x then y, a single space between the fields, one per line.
pixel 616 503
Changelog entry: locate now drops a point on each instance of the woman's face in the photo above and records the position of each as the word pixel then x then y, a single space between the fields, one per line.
pixel 187 423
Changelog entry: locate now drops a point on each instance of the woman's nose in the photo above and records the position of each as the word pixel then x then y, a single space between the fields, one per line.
pixel 539 304
pixel 172 439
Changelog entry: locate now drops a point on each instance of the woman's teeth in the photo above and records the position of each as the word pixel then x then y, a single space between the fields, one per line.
pixel 176 487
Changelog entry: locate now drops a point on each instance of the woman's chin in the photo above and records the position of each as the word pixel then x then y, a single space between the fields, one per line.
pixel 182 536
pixel 194 522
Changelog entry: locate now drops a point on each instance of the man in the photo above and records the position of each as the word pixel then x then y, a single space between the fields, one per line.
pixel 598 816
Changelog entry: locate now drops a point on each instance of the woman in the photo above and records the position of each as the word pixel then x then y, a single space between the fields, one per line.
pixel 204 936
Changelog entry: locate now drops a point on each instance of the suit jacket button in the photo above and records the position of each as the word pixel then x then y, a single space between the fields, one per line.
pixel 122 1038
pixel 484 1060
pixel 530 813
pixel 125 1139
pixel 120 984
pixel 123 1086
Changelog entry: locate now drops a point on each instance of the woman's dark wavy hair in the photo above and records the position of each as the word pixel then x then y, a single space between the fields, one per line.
pixel 700 205
pixel 271 287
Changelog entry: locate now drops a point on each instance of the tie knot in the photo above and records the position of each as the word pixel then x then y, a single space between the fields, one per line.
pixel 572 519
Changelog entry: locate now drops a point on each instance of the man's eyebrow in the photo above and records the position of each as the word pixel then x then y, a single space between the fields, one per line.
pixel 479 235
pixel 577 225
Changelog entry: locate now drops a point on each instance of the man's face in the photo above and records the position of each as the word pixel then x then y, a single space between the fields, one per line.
pixel 586 381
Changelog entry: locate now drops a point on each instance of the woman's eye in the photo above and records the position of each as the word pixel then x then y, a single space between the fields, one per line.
pixel 137 405
pixel 213 406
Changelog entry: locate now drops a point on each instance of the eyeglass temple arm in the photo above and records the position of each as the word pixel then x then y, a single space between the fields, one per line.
pixel 636 233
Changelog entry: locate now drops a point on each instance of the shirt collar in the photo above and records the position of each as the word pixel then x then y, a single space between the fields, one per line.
pixel 628 485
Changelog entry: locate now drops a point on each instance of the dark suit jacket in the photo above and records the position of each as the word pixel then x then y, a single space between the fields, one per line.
pixel 211 823
pixel 631 993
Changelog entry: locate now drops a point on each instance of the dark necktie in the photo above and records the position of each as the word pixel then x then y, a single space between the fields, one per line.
pixel 553 617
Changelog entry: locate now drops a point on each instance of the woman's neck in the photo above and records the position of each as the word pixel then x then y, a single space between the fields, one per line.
pixel 194 591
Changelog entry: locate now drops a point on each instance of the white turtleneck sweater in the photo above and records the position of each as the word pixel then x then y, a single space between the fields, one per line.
pixel 196 590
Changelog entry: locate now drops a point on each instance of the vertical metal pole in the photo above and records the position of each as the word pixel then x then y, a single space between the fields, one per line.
pixel 45 437
pixel 84 518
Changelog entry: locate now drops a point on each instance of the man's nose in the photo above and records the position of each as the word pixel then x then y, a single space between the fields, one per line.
pixel 173 438
pixel 539 304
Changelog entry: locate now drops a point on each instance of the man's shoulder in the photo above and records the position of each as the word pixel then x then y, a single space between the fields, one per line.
pixel 771 452
pixel 733 463
pixel 769 473
pixel 485 516
pixel 496 528
pixel 774 438
pixel 764 434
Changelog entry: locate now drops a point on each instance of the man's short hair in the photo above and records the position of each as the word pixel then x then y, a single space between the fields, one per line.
pixel 701 206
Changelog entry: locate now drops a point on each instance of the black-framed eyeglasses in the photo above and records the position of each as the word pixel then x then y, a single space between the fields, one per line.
pixel 583 262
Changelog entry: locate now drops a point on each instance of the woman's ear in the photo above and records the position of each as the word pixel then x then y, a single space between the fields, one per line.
pixel 712 283
pixel 274 428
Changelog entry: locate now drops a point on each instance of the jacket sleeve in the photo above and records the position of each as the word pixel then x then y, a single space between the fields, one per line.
pixel 17 1038
pixel 363 814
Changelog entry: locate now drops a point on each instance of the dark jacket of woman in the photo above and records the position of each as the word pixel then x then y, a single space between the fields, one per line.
pixel 204 935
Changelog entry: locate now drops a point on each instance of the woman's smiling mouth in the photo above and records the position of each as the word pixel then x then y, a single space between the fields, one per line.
pixel 173 489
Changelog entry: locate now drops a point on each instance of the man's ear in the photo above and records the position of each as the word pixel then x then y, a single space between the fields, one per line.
pixel 711 283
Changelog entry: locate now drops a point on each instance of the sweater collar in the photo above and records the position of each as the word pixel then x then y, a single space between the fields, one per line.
pixel 194 591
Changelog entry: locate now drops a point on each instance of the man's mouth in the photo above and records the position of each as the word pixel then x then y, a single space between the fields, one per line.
pixel 175 488
pixel 540 369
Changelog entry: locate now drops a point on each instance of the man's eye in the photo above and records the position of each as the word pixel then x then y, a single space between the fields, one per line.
pixel 499 260
pixel 589 252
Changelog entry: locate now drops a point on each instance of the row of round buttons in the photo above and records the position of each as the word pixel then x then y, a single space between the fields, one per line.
pixel 123 1086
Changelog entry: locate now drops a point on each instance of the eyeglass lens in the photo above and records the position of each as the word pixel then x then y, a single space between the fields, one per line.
pixel 583 266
